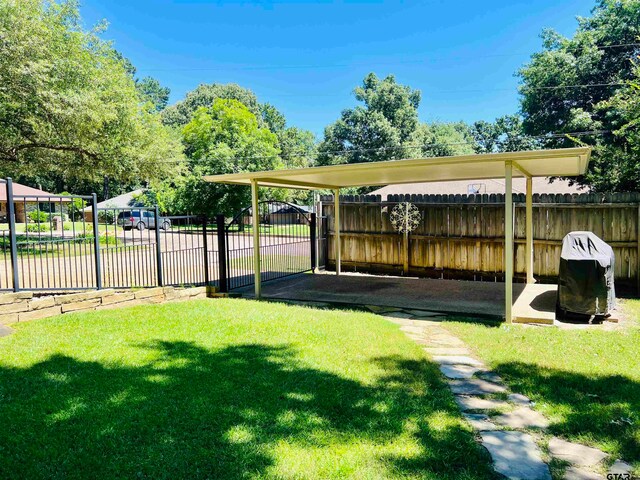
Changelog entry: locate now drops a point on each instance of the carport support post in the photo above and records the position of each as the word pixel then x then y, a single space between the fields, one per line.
pixel 255 218
pixel 529 230
pixel 336 227
pixel 508 241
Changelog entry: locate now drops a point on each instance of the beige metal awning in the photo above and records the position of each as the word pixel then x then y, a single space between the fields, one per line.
pixel 565 162
pixel 537 163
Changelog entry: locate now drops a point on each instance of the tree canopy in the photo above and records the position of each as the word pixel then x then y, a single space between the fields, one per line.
pixel 68 104
pixel 568 86
pixel 223 138
pixel 376 130
pixel 179 114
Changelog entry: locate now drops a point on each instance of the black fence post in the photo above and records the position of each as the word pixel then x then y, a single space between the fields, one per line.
pixel 159 271
pixel 222 253
pixel 96 240
pixel 11 214
pixel 205 245
pixel 314 245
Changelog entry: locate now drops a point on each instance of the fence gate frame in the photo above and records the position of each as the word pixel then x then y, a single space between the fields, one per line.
pixel 238 257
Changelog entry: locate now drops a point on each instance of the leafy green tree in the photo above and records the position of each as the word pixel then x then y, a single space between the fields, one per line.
pixel 224 138
pixel 376 130
pixel 567 86
pixel 68 105
pixel 506 134
pixel 441 139
pixel 181 113
pixel 624 110
pixel 151 91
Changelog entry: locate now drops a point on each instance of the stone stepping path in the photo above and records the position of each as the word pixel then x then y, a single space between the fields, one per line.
pixel 509 427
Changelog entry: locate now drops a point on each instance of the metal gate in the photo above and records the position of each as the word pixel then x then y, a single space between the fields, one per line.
pixel 287 244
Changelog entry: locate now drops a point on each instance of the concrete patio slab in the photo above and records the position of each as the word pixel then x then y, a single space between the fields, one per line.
pixel 451 297
pixel 536 304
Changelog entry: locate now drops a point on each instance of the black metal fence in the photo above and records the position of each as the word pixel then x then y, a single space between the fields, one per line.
pixel 65 242
pixel 287 243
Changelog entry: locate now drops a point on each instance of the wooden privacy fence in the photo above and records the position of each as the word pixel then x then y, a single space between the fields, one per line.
pixel 462 236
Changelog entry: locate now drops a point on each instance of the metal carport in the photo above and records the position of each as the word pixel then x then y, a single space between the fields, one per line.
pixel 565 162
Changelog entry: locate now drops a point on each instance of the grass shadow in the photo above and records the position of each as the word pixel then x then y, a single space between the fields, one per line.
pixel 596 409
pixel 191 412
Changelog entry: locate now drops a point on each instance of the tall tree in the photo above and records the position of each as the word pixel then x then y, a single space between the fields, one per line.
pixel 565 87
pixel 224 138
pixel 441 139
pixel 204 95
pixel 152 91
pixel 624 109
pixel 68 105
pixel 506 134
pixel 376 130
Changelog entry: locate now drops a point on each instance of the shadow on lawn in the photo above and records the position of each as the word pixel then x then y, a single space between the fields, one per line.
pixel 195 413
pixel 591 407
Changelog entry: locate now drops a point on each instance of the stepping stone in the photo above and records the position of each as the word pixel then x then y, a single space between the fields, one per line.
pixel 575 453
pixel 519 399
pixel 575 473
pixel 491 376
pixel 5 331
pixel 515 455
pixel 447 351
pixel 480 422
pixel 475 386
pixel 476 403
pixel 412 329
pixel 522 417
pixel 620 467
pixel 457 360
pixel 458 371
pixel 444 343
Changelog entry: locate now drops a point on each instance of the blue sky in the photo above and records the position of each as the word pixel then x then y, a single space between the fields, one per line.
pixel 306 58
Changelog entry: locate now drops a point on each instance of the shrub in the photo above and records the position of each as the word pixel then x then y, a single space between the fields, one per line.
pixel 38 216
pixel 37 227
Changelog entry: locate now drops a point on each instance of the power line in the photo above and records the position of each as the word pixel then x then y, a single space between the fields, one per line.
pixel 549 136
pixel 397 62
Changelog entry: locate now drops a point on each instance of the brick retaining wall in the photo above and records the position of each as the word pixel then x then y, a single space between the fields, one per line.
pixel 24 306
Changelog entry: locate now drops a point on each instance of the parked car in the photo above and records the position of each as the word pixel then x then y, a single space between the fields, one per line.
pixel 141 219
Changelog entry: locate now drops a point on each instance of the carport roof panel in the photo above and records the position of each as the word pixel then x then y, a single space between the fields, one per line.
pixel 537 163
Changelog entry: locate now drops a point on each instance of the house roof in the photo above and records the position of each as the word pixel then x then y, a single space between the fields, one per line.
pixel 537 163
pixel 465 187
pixel 126 200
pixel 34 194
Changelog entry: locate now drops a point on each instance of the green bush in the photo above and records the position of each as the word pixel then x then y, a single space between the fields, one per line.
pixel 38 216
pixel 37 227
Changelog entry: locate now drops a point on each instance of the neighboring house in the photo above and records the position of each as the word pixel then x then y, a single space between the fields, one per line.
pixel 124 201
pixel 26 199
pixel 280 214
pixel 290 215
pixel 466 187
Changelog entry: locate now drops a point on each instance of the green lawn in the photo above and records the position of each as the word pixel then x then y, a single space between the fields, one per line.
pixel 586 381
pixel 226 389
